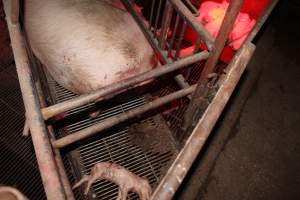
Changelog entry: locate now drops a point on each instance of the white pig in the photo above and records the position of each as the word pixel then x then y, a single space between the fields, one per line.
pixel 86 44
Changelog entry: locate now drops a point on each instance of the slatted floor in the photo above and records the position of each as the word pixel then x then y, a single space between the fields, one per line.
pixel 115 146
pixel 18 165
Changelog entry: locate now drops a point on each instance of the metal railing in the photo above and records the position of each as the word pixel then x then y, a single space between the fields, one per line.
pixel 47 147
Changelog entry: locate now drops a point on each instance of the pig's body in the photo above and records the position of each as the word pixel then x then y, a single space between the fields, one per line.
pixel 86 44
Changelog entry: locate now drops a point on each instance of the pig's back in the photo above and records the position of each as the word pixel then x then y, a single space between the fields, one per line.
pixel 84 44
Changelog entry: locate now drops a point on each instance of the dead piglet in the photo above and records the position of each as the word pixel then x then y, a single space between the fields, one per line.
pixel 126 180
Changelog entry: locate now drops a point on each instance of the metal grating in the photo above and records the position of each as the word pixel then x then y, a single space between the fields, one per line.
pixel 18 163
pixel 114 145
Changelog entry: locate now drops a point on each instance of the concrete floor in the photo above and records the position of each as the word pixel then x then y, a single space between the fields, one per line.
pixel 259 157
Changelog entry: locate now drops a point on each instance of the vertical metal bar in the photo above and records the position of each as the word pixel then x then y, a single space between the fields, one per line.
pixel 57 156
pixel 199 97
pixel 15 6
pixel 165 24
pixel 42 146
pixel 183 28
pixel 194 23
pixel 173 34
pixel 157 16
pixel 197 46
pixel 183 162
pixel 151 14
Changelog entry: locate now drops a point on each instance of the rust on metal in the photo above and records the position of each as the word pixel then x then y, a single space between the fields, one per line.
pixel 42 146
pixel 198 27
pixel 57 156
pixel 199 97
pixel 14 11
pixel 112 121
pixel 126 84
pixel 177 172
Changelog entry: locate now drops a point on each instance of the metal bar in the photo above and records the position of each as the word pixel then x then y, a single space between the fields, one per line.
pixel 178 45
pixel 42 146
pixel 126 84
pixel 195 24
pixel 183 162
pixel 261 20
pixel 192 8
pixel 157 16
pixel 173 34
pixel 57 156
pixel 151 14
pixel 199 96
pixel 114 120
pixel 152 40
pixel 166 23
pixel 14 10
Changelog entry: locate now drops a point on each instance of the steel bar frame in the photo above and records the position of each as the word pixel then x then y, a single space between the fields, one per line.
pixel 199 99
pixel 42 145
pixel 184 160
pixel 47 148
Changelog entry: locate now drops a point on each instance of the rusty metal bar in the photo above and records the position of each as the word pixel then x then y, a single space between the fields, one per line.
pixel 165 24
pixel 126 84
pixel 261 20
pixel 183 162
pixel 112 121
pixel 199 96
pixel 156 43
pixel 14 10
pixel 198 27
pixel 42 146
pixel 57 156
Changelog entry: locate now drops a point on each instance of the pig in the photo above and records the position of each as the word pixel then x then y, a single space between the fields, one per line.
pixel 86 44
pixel 126 180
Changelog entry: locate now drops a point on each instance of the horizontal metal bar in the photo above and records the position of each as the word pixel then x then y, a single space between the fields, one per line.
pixel 112 121
pixel 195 24
pixel 199 96
pixel 126 84
pixel 156 43
pixel 183 162
pixel 42 146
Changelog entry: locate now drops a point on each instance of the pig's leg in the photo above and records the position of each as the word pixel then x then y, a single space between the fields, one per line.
pixel 89 184
pixel 122 195
pixel 85 178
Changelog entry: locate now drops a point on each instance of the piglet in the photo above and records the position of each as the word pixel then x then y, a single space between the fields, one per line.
pixel 87 44
pixel 126 180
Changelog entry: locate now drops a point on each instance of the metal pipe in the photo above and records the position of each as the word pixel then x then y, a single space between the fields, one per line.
pixel 57 156
pixel 195 24
pixel 42 146
pixel 199 96
pixel 112 121
pixel 14 11
pixel 151 36
pixel 183 162
pixel 126 84
pixel 166 21
pixel 261 20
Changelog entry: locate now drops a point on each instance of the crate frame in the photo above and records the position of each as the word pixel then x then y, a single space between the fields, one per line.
pixel 47 147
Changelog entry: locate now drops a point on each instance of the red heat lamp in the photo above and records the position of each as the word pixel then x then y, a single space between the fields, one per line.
pixel 211 15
